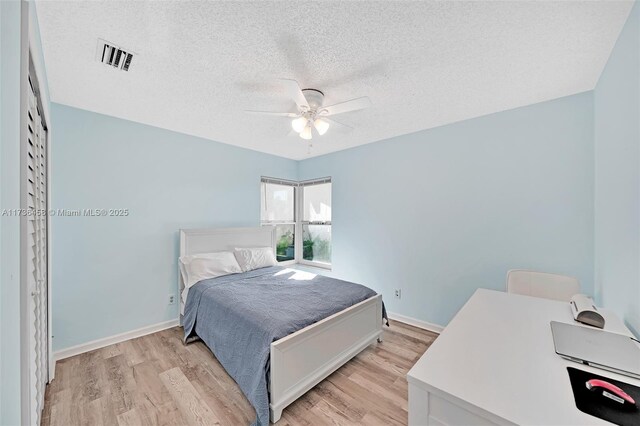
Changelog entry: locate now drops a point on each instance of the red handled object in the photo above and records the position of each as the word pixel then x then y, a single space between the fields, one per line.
pixel 612 392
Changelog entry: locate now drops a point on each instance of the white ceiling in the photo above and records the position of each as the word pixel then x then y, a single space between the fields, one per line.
pixel 423 64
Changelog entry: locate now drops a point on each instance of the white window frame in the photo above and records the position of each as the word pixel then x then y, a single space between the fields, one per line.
pixel 298 217
pixel 300 223
pixel 294 184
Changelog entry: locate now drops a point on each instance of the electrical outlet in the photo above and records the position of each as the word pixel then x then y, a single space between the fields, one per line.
pixel 397 293
pixel 172 299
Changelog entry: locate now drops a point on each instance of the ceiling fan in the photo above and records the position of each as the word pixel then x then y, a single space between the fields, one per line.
pixel 311 113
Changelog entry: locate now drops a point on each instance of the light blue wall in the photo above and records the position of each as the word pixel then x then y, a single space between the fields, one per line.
pixel 114 274
pixel 617 177
pixel 442 212
pixel 10 28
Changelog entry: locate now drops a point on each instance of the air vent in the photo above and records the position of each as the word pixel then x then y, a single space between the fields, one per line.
pixel 114 56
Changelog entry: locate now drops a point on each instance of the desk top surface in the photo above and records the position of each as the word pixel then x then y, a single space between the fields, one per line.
pixel 497 357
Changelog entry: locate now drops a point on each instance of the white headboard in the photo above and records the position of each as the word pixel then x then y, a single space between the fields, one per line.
pixel 194 241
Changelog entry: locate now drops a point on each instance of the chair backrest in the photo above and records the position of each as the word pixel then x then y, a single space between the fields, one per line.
pixel 542 284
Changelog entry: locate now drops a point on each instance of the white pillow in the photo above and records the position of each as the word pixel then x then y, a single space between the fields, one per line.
pixel 202 266
pixel 254 258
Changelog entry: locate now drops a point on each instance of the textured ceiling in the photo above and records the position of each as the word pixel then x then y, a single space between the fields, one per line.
pixel 423 64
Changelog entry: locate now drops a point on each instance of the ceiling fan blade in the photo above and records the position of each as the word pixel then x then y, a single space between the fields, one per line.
pixel 346 106
pixel 277 114
pixel 295 92
pixel 337 124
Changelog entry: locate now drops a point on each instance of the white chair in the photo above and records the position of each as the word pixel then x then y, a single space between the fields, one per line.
pixel 542 284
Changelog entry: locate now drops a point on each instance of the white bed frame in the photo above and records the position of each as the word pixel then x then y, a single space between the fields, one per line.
pixel 304 358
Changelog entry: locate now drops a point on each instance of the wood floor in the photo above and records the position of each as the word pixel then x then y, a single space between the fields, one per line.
pixel 156 380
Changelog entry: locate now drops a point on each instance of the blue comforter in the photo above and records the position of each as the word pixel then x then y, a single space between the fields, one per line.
pixel 239 316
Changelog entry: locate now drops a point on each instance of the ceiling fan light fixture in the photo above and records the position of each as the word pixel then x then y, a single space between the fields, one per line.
pixel 298 124
pixel 312 113
pixel 306 133
pixel 321 126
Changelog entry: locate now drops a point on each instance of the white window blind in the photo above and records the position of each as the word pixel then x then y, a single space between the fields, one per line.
pixel 317 203
pixel 277 202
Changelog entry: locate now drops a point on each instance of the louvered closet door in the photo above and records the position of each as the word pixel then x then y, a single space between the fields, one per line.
pixel 37 255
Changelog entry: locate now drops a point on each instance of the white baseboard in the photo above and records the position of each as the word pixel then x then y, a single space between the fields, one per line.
pixel 416 322
pixel 106 341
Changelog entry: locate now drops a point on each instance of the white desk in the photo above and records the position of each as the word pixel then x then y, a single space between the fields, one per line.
pixel 495 364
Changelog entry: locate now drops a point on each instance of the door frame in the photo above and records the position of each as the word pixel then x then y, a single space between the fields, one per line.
pixel 24 285
pixel 31 65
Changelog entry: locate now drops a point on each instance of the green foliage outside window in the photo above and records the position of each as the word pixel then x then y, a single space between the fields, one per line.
pixel 285 247
pixel 316 249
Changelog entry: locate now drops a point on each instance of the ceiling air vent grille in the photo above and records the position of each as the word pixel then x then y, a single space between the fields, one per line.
pixel 114 56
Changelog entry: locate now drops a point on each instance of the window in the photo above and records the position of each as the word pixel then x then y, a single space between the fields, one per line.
pixel 278 209
pixel 301 215
pixel 316 221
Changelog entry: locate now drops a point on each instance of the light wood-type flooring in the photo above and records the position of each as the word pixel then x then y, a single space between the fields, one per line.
pixel 156 380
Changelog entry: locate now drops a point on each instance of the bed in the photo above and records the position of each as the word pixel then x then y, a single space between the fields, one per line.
pixel 296 361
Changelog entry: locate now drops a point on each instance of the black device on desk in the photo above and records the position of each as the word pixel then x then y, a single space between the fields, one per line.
pixel 594 395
